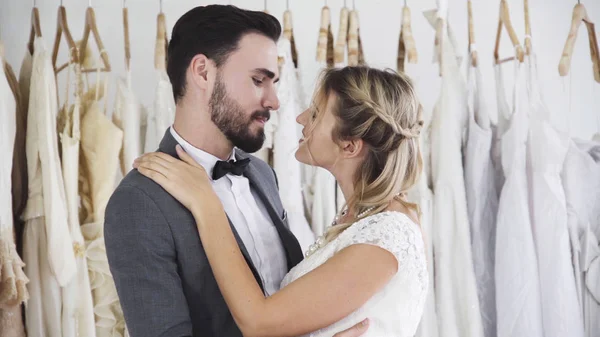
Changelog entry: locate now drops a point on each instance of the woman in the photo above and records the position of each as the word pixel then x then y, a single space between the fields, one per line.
pixel 363 127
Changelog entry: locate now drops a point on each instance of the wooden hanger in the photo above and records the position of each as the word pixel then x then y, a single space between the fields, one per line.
pixel 579 15
pixel 472 35
pixel 162 44
pixel 361 54
pixel 126 35
pixel 342 37
pixel 504 21
pixel 406 45
pixel 288 33
pixel 353 50
pixel 527 29
pixel 324 32
pixel 36 30
pixel 91 27
pixel 62 28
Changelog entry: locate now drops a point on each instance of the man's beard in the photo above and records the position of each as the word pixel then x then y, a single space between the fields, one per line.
pixel 229 117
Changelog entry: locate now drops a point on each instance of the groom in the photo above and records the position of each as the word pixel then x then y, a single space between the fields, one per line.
pixel 222 63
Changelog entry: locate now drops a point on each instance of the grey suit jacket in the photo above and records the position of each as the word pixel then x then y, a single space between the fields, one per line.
pixel 164 281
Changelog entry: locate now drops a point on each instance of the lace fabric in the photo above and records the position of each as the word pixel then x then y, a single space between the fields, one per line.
pixel 397 308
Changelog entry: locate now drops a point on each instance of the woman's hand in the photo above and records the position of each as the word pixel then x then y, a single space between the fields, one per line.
pixel 184 179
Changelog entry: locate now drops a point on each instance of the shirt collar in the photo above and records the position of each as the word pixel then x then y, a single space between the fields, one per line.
pixel 207 160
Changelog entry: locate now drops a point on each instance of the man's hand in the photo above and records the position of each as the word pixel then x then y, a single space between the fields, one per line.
pixel 358 330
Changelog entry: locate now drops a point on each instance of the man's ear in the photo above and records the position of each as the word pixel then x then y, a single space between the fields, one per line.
pixel 198 71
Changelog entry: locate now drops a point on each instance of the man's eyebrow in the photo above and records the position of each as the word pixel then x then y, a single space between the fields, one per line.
pixel 267 73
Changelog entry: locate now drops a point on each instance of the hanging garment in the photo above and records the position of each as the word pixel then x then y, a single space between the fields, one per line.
pixel 547 149
pixel 422 195
pixel 517 280
pixel 19 169
pixel 101 143
pixel 581 181
pixel 456 289
pixel 77 305
pixel 286 139
pixel 128 116
pixel 482 198
pixel 163 115
pixel 266 152
pixel 499 129
pixel 47 250
pixel 13 282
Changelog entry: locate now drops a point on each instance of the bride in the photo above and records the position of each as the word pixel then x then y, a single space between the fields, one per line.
pixel 363 127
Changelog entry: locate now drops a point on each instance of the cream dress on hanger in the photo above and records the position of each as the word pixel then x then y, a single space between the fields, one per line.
pixel 13 290
pixel 47 245
pixel 101 142
pixel 78 307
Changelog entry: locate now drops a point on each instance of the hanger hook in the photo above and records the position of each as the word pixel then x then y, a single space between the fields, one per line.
pixel 405 3
pixel 160 4
pixel 287 4
pixel 353 5
pixel 265 2
pixel 89 3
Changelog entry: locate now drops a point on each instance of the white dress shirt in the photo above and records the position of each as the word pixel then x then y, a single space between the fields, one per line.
pixel 249 217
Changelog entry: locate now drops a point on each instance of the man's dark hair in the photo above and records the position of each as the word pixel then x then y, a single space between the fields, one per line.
pixel 214 31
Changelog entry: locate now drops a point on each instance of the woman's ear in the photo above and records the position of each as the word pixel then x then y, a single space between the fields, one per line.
pixel 353 148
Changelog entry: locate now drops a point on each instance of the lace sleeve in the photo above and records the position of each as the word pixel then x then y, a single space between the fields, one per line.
pixel 392 232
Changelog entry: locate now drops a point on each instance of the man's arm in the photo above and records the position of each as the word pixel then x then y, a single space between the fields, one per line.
pixel 142 259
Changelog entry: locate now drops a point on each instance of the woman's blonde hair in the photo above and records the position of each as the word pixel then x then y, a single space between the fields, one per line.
pixel 381 108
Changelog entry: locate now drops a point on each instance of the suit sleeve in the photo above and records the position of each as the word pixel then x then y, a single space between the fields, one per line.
pixel 142 259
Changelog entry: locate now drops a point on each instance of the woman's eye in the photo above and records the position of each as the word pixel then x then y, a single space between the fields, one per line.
pixel 257 81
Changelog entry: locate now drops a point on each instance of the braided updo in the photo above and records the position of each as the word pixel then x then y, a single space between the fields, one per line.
pixel 381 108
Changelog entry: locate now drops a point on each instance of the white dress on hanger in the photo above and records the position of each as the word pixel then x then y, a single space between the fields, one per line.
pixel 517 282
pixel 422 195
pixel 163 115
pixel 482 198
pixel 47 245
pixel 128 115
pixel 396 309
pixel 581 181
pixel 286 139
pixel 547 149
pixel 457 303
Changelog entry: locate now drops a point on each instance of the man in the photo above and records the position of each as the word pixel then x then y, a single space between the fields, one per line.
pixel 222 63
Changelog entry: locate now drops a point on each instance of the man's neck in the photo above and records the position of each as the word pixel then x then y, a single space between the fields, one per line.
pixel 198 130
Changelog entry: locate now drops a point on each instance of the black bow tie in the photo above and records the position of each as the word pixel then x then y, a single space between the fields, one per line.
pixel 233 167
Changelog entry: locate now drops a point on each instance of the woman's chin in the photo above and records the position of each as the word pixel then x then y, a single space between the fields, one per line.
pixel 303 157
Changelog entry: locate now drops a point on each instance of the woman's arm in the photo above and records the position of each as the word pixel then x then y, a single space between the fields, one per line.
pixel 318 299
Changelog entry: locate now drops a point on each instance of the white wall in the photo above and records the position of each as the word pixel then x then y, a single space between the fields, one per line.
pixel 574 100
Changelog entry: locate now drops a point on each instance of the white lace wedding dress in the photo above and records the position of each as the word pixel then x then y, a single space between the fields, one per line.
pixel 396 310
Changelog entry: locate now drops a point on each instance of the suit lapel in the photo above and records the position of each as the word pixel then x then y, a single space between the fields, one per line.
pixel 167 145
pixel 257 182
